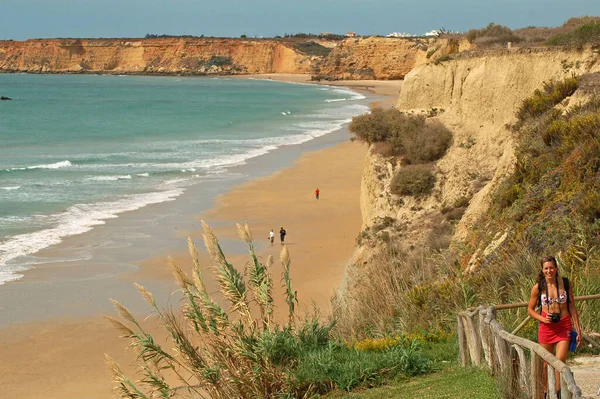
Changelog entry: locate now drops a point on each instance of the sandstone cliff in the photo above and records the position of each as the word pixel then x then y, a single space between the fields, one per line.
pixel 475 95
pixel 385 58
pixel 360 58
pixel 197 56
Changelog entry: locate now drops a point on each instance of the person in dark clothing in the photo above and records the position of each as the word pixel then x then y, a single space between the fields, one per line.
pixel 282 234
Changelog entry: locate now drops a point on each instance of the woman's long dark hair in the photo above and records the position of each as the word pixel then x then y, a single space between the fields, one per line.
pixel 541 280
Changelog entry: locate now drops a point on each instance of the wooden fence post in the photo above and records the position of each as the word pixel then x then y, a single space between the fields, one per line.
pixel 551 382
pixel 523 369
pixel 483 333
pixel 475 345
pixel 536 376
pixel 564 390
pixel 462 342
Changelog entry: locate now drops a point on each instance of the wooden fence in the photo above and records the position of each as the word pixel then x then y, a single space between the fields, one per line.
pixel 482 340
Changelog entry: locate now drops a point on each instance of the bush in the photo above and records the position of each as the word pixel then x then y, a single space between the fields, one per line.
pixel 587 34
pixel 413 136
pixel 545 99
pixel 413 180
pixel 492 33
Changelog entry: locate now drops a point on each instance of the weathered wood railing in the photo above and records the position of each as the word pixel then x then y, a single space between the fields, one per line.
pixel 482 339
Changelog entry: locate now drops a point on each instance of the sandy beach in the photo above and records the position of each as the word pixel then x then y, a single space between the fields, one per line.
pixel 63 357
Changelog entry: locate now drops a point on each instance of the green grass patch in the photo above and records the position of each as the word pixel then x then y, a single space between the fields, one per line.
pixel 455 382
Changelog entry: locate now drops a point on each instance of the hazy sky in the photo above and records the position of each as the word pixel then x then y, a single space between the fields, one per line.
pixel 23 19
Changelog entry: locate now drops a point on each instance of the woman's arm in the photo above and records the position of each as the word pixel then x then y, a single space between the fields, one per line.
pixel 533 300
pixel 574 315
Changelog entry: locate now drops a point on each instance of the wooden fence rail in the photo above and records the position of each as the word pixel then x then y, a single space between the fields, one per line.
pixel 482 340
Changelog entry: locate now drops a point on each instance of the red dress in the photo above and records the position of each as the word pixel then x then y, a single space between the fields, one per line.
pixel 551 333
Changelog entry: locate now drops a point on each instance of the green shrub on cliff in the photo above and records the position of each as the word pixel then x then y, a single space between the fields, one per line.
pixel 413 137
pixel 543 100
pixel 587 34
pixel 492 33
pixel 413 180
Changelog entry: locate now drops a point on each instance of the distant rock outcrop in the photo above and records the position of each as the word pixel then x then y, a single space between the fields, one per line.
pixel 186 56
pixel 384 58
pixel 355 58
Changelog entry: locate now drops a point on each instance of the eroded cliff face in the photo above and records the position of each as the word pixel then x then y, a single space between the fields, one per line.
pixel 476 96
pixel 196 56
pixel 384 58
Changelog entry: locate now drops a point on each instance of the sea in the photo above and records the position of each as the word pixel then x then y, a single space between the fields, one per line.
pixel 79 150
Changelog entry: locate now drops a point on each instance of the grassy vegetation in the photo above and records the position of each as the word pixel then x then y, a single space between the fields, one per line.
pixel 543 100
pixel 588 33
pixel 452 383
pixel 312 48
pixel 242 352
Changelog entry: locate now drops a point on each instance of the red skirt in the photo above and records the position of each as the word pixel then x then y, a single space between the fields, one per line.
pixel 551 333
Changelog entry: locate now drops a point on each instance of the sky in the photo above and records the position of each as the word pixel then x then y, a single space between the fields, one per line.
pixel 27 19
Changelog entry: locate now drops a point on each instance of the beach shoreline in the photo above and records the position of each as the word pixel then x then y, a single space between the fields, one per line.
pixel 321 237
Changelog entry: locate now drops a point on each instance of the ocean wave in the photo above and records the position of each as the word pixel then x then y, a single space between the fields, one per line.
pixel 56 165
pixel 356 96
pixel 77 219
pixel 143 174
pixel 10 274
pixel 108 178
pixel 9 188
pixel 334 100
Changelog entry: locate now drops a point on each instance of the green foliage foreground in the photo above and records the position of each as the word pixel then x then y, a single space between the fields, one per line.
pixel 242 352
pixel 453 383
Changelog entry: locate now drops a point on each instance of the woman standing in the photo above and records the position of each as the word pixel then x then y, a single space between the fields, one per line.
pixel 558 313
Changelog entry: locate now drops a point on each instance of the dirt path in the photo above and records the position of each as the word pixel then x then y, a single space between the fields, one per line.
pixel 586 370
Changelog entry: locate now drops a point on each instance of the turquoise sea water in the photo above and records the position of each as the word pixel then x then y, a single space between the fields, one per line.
pixel 78 150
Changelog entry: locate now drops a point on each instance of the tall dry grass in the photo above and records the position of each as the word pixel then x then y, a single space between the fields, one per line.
pixel 424 291
pixel 239 351
pixel 219 353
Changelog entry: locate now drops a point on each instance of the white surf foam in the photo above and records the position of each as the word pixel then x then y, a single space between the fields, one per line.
pixel 57 165
pixel 109 178
pixel 9 188
pixel 75 220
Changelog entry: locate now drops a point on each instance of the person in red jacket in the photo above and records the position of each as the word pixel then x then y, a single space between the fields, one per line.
pixel 317 193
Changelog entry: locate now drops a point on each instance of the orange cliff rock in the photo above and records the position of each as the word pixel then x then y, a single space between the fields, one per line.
pixel 193 56
pixel 385 58
pixel 355 58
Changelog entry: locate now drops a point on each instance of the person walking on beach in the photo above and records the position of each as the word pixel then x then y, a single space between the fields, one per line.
pixel 282 234
pixel 317 193
pixel 271 236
